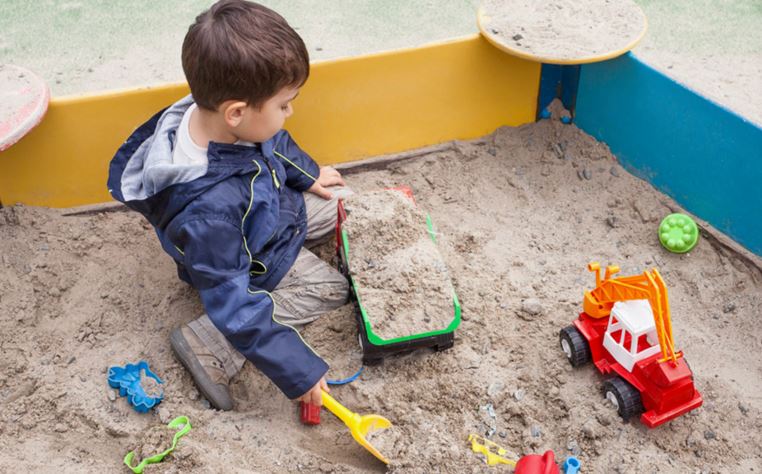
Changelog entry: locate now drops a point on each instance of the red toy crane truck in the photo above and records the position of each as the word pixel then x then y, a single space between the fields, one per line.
pixel 625 328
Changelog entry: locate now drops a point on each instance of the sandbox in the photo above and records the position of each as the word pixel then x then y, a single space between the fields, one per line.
pixel 519 213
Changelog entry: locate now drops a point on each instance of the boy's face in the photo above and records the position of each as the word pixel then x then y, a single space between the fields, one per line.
pixel 258 124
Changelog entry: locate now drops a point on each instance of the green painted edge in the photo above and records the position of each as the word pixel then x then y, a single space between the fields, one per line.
pixel 373 337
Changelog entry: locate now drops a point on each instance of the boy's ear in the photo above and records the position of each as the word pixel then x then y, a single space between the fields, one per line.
pixel 233 111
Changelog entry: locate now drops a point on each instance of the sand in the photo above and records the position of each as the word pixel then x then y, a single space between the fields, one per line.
pixel 155 440
pixel 714 48
pixel 150 386
pixel 118 45
pixel 563 30
pixel 402 282
pixel 388 440
pixel 338 330
pixel 15 88
pixel 519 214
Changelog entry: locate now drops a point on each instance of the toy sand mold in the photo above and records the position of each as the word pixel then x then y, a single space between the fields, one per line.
pixel 398 314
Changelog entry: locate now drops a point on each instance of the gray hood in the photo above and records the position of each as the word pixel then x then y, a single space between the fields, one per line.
pixel 150 168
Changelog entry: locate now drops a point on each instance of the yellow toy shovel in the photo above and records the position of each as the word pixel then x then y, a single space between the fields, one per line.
pixel 359 425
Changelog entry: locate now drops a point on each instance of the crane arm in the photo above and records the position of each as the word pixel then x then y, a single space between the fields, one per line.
pixel 649 286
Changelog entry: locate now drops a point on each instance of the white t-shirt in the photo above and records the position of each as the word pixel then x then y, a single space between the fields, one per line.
pixel 187 152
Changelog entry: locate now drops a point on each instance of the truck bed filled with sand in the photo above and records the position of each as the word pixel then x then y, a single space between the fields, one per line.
pixel 398 272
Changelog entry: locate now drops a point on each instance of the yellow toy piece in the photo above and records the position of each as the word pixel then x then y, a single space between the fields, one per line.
pixel 359 425
pixel 493 453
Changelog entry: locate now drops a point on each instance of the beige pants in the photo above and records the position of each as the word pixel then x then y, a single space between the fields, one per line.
pixel 310 288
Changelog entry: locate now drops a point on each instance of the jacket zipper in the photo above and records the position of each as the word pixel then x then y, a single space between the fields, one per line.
pixel 277 185
pixel 272 172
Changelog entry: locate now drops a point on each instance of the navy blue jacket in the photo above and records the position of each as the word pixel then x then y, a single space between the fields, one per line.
pixel 234 227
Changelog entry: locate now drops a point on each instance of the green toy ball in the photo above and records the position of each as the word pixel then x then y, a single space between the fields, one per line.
pixel 678 233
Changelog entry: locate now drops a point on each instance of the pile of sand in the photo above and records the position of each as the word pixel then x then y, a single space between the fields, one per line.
pixel 155 440
pixel 519 214
pixel 401 280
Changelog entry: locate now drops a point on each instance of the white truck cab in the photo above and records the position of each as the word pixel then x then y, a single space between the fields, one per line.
pixel 631 334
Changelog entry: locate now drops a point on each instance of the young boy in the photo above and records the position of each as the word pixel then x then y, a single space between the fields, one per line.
pixel 222 185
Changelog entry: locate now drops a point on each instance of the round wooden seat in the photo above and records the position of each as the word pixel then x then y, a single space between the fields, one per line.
pixel 24 100
pixel 562 31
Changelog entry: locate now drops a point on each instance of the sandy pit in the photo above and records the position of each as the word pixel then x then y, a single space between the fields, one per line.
pixel 154 440
pixel 337 330
pixel 519 214
pixel 388 440
pixel 402 282
pixel 563 29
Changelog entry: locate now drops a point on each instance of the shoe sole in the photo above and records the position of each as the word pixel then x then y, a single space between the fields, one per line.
pixel 208 388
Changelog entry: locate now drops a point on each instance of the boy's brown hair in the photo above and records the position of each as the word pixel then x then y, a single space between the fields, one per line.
pixel 241 50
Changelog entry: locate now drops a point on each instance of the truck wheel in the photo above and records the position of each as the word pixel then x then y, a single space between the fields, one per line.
pixel 371 361
pixel 624 397
pixel 445 346
pixel 574 346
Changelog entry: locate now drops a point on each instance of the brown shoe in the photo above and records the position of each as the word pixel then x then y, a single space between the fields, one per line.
pixel 207 371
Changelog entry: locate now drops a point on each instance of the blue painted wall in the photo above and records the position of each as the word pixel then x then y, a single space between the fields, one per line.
pixel 557 81
pixel 704 156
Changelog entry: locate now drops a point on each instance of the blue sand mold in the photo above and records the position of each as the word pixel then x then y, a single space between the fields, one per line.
pixel 127 380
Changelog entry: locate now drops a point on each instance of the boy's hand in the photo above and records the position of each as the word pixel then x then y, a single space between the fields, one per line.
pixel 314 394
pixel 328 177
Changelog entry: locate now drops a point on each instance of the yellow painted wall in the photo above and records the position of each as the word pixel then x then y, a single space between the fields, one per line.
pixel 406 99
pixel 349 109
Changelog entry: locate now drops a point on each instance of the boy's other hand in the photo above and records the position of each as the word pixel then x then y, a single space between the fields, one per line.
pixel 328 177
pixel 314 395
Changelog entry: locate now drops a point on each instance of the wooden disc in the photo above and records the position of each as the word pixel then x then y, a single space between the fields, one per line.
pixel 24 100
pixel 562 31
